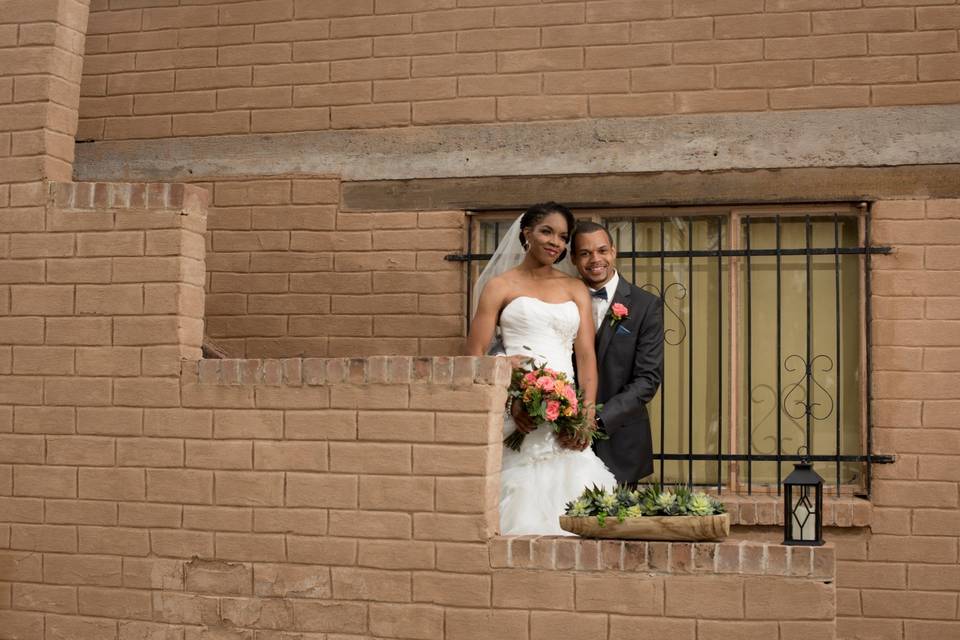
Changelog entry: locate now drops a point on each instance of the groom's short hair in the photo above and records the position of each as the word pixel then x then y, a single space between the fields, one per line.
pixel 586 226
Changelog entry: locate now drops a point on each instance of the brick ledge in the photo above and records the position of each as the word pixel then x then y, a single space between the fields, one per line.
pixel 845 511
pixel 738 557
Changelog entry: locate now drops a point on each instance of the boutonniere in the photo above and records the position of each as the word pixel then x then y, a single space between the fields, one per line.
pixel 617 313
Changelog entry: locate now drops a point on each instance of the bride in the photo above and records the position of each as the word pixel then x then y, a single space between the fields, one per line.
pixel 544 314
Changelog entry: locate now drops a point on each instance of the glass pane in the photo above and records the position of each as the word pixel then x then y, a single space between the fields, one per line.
pixel 687 415
pixel 827 402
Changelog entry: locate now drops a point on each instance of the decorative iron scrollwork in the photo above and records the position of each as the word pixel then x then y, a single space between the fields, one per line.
pixel 679 294
pixel 807 405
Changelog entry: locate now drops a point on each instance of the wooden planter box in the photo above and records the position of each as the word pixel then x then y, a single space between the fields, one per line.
pixel 651 527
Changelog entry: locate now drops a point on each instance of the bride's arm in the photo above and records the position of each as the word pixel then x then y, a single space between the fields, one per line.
pixel 586 354
pixel 485 320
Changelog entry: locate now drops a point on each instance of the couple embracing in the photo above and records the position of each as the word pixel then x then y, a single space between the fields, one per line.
pixel 598 329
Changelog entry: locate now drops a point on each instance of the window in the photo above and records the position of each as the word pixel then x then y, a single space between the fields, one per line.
pixel 764 331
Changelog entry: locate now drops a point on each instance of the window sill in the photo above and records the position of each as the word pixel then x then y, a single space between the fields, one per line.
pixel 768 510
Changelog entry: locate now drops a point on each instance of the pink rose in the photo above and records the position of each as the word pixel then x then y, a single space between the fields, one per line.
pixel 545 383
pixel 570 395
pixel 530 378
pixel 619 311
pixel 553 410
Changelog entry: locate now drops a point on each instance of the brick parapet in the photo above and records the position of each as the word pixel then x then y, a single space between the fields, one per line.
pixel 732 556
pixel 295 372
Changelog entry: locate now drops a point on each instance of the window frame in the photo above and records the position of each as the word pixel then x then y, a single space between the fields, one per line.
pixel 733 479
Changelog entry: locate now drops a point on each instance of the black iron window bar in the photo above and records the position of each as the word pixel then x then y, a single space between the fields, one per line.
pixel 804 409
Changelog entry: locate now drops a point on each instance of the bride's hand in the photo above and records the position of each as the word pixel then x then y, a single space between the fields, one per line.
pixel 518 361
pixel 521 418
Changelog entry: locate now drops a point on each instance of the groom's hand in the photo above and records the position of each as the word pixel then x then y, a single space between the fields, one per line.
pixel 520 417
pixel 570 441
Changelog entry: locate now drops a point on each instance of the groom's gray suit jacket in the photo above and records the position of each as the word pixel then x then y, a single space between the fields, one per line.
pixel 630 367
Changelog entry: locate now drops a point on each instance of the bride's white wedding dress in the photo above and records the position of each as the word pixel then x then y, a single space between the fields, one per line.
pixel 538 480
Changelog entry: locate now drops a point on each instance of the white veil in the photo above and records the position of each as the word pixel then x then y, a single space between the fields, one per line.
pixel 509 254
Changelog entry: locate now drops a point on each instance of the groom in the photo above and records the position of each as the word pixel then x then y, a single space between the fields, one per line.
pixel 629 354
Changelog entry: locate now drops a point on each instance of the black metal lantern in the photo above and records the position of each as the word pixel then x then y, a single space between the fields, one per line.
pixel 803 506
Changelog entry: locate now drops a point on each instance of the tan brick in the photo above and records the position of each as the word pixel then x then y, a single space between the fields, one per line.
pixel 302 521
pixel 454 589
pixel 411 621
pixel 249 488
pixel 541 107
pixel 764 74
pixel 290 455
pixel 332 617
pixel 190 487
pixel 865 71
pixel 80 569
pixel 462 110
pixel 44 420
pixel 832 46
pixel 712 101
pixel 49 538
pixel 41 300
pixel 396 493
pixel 345 49
pixel 389 554
pixel 881 603
pixel 46 481
pixel 22 624
pixel 629 594
pixel 322 550
pixel 250 547
pixel 366 524
pixel 496 85
pixel 860 20
pixel 218 577
pixel 351 583
pixel 22 566
pixel 114 540
pixel 479 624
pixel 185 608
pixel 819 97
pixel 125 603
pixel 623 627
pixel 218 518
pixel 181 544
pixel 80 450
pixel 715 598
pixel 40 597
pixel 618 57
pixel 111 484
pixel 81 512
pixel 538 60
pixel 326 490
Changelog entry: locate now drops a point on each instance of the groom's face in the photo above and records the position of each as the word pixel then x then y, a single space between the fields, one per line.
pixel 595 257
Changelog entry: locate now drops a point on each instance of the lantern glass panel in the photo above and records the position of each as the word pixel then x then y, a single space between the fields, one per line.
pixel 803 522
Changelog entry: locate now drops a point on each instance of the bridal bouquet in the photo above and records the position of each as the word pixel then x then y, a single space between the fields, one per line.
pixel 553 400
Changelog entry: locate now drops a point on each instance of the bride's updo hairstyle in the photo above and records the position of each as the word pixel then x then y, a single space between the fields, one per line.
pixel 538 212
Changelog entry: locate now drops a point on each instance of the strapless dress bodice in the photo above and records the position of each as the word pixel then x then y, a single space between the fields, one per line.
pixel 542 330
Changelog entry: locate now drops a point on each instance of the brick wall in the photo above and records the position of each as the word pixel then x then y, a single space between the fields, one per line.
pixel 905 580
pixel 154 70
pixel 289 275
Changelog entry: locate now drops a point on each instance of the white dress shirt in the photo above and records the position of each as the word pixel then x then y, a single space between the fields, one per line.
pixel 601 306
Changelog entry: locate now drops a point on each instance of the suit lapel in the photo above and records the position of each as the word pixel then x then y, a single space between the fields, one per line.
pixel 605 335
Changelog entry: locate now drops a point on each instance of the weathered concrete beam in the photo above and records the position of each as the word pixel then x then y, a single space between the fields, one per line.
pixel 868 137
pixel 805 185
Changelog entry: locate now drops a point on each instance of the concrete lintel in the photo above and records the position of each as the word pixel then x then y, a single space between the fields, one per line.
pixel 761 186
pixel 714 142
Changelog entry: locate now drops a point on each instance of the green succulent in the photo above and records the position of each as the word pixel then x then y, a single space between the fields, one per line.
pixel 634 512
pixel 700 505
pixel 579 508
pixel 666 501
